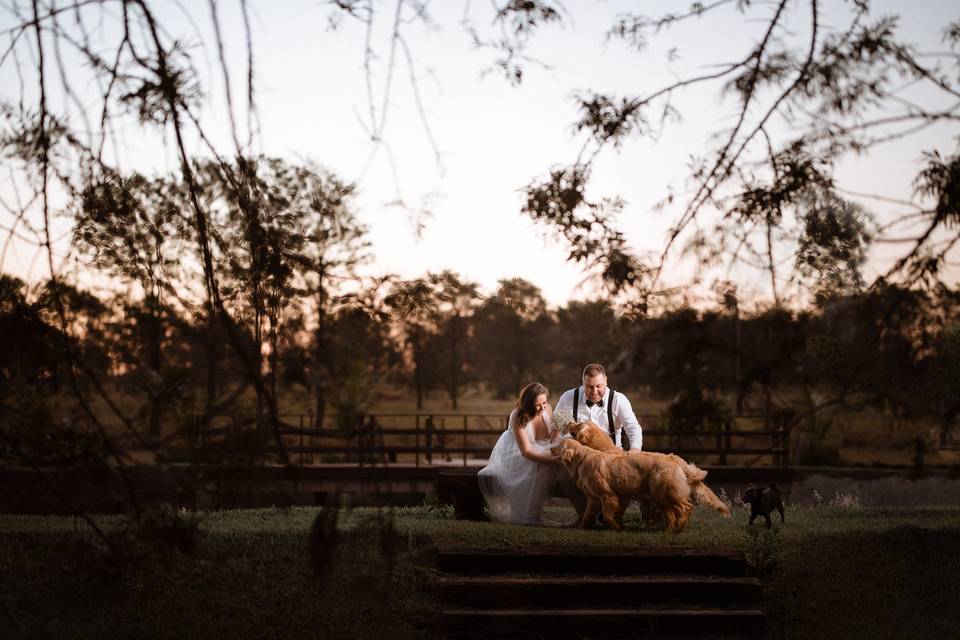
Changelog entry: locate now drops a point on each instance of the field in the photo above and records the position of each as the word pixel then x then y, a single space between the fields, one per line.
pixel 832 571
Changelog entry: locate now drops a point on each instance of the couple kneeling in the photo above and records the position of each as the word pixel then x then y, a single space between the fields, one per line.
pixel 522 472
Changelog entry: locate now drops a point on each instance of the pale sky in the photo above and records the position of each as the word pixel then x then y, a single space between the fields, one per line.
pixel 493 138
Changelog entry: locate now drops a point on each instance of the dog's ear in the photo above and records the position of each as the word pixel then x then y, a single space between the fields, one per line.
pixel 567 454
pixel 574 428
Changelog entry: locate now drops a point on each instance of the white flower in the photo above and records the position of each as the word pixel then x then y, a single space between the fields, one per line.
pixel 562 421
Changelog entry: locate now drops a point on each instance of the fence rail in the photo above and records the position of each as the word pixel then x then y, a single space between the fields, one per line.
pixel 446 438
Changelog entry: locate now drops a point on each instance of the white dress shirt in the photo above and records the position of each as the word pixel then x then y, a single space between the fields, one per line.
pixel 623 416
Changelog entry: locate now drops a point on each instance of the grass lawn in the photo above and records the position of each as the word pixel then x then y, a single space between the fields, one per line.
pixel 831 572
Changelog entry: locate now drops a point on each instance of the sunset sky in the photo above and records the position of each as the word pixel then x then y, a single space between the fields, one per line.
pixel 312 96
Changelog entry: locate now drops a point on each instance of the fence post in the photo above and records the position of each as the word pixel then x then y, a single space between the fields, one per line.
pixel 727 428
pixel 194 435
pixel 785 437
pixel 301 440
pixel 442 439
pixel 416 442
pixel 429 437
pixel 776 438
pixel 721 438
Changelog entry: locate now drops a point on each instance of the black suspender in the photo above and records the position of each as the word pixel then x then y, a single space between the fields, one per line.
pixel 613 433
pixel 624 439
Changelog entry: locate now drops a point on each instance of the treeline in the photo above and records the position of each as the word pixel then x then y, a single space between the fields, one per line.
pixel 892 349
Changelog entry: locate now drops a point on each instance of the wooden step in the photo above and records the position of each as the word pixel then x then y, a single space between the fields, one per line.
pixel 634 562
pixel 600 623
pixel 594 591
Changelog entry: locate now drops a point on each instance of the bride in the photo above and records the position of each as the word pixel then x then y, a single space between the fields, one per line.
pixel 522 472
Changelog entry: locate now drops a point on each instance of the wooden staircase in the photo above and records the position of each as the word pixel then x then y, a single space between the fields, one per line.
pixel 667 592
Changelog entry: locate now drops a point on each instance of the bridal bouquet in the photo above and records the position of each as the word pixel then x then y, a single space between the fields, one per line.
pixel 562 421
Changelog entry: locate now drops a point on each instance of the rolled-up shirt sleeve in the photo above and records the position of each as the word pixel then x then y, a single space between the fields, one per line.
pixel 628 421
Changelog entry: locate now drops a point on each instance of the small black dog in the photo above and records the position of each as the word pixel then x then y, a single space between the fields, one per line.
pixel 762 501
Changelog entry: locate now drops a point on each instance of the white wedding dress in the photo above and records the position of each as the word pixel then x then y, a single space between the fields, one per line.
pixel 515 487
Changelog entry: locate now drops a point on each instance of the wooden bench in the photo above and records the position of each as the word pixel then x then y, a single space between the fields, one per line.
pixel 459 487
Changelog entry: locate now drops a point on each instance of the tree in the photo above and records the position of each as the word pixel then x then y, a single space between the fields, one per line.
pixel 512 328
pixel 800 109
pixel 336 245
pixel 283 231
pixel 415 304
pixel 833 245
pixel 131 227
pixel 29 355
pixel 458 300
pixel 361 354
pixel 33 428
pixel 590 332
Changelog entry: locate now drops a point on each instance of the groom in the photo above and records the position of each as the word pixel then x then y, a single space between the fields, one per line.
pixel 610 409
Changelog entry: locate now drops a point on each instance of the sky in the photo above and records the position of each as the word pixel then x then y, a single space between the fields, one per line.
pixel 313 102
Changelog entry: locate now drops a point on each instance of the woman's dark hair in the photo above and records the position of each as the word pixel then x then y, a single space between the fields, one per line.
pixel 527 402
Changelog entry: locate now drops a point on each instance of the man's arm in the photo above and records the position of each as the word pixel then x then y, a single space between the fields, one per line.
pixel 629 423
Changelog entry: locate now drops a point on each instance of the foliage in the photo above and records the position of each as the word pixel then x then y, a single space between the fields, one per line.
pixel 833 247
pixel 511 334
pixel 807 92
pixel 760 549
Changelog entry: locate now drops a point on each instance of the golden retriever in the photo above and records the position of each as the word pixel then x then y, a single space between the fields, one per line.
pixel 610 482
pixel 592 435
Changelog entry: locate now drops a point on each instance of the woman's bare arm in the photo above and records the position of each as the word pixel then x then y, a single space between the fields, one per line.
pixel 526 450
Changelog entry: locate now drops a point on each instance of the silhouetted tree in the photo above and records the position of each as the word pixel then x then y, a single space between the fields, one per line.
pixel 415 305
pixel 512 329
pixel 131 228
pixel 458 300
pixel 284 231
pixel 834 244
pixel 588 332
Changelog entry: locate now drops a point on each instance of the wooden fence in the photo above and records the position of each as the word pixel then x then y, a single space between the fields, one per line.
pixel 464 439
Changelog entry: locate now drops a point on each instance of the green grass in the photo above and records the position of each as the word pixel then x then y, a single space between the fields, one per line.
pixel 831 572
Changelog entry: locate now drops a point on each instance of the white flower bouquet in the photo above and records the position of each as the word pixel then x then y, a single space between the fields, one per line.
pixel 561 422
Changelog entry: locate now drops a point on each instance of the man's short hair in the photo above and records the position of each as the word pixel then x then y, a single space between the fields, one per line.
pixel 594 369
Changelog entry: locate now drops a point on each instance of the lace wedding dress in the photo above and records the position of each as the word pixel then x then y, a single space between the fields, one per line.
pixel 515 488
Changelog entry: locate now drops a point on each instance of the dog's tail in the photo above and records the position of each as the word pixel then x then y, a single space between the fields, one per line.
pixel 702 494
pixel 693 472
